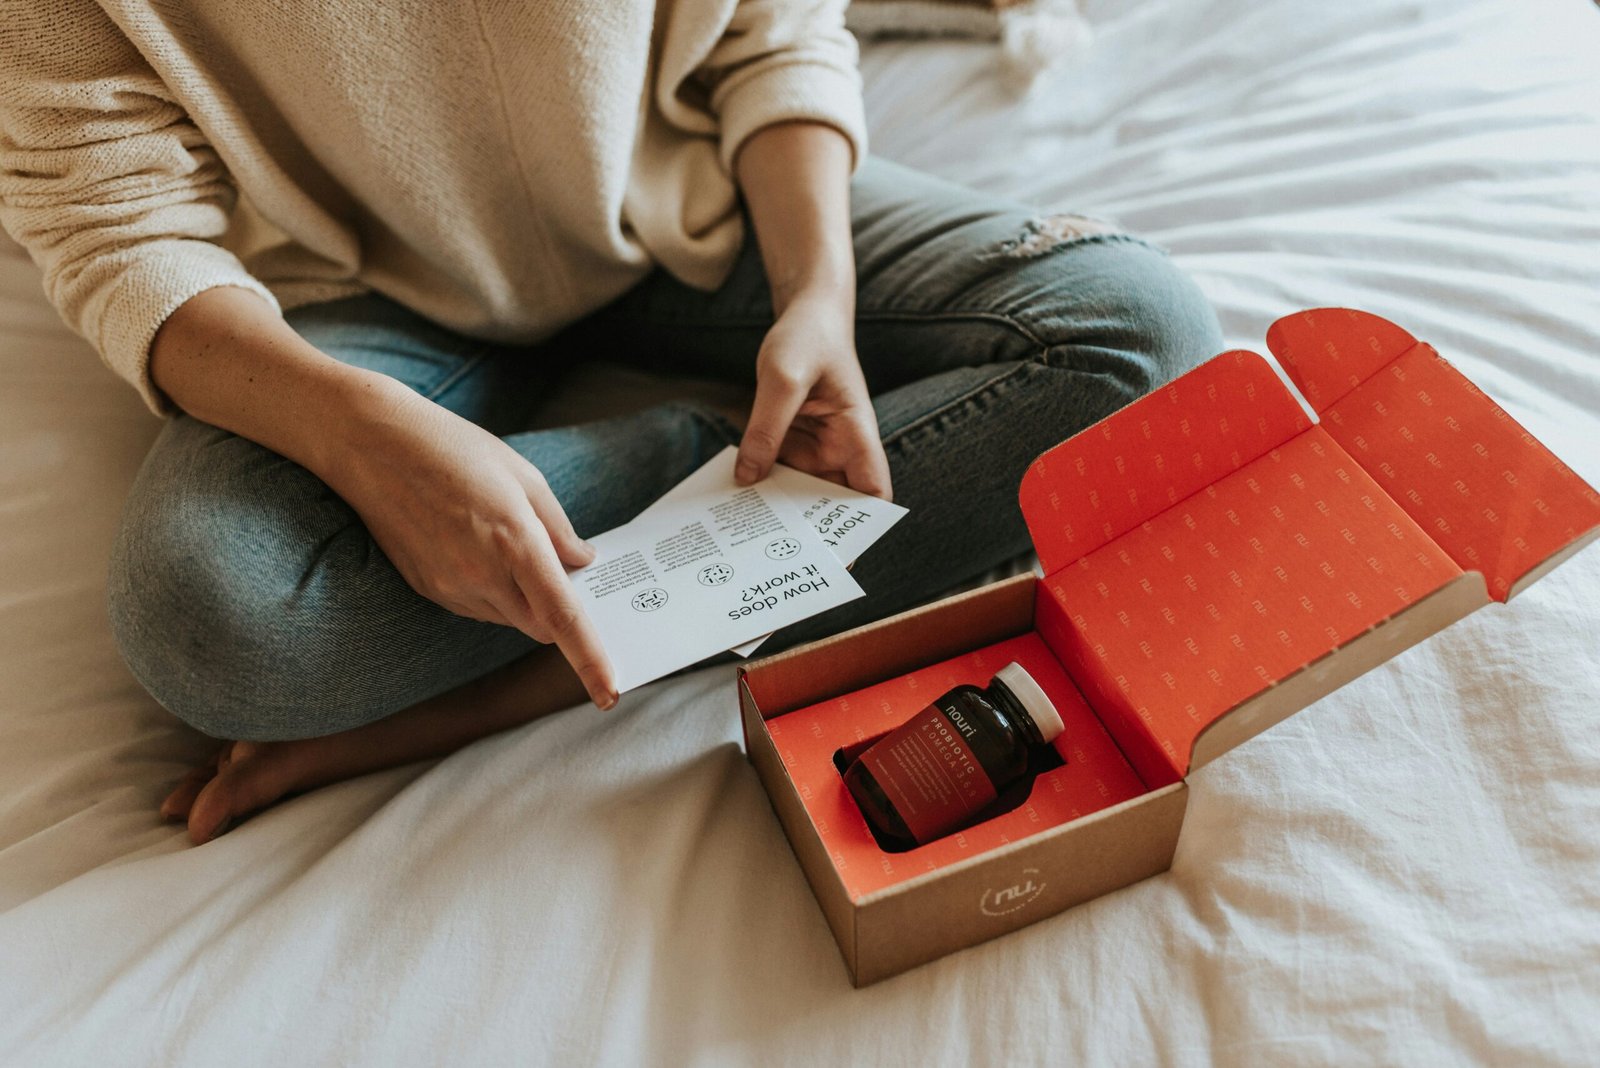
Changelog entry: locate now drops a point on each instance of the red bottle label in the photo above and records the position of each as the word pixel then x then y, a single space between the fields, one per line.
pixel 929 773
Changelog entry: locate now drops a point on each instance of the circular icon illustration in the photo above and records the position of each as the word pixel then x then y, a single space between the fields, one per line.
pixel 715 574
pixel 783 548
pixel 649 600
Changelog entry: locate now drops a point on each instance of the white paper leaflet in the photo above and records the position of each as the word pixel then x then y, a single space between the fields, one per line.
pixel 847 521
pixel 713 565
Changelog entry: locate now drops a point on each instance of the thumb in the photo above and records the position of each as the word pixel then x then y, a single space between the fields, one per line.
pixel 777 401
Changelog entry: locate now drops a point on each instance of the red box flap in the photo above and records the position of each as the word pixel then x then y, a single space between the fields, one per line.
pixel 1235 589
pixel 1207 543
pixel 1330 351
pixel 1485 489
pixel 1147 456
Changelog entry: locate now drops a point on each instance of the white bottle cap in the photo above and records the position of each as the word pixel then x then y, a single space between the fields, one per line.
pixel 1032 696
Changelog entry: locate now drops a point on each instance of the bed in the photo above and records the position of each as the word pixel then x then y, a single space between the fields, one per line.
pixel 1404 873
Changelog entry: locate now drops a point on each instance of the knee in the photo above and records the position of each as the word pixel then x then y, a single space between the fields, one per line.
pixel 217 599
pixel 1119 307
pixel 1171 323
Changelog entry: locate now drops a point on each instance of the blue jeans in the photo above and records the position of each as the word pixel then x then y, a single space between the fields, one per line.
pixel 250 600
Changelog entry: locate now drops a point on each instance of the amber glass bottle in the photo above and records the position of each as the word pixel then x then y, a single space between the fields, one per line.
pixel 930 775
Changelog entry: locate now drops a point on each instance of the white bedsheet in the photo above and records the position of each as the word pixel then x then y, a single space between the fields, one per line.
pixel 1408 872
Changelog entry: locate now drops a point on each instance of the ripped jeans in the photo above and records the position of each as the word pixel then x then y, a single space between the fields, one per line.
pixel 252 603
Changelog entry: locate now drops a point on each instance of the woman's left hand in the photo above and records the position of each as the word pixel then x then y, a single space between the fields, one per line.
pixel 812 409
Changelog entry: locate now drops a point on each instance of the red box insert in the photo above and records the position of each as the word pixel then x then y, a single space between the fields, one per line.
pixel 1095 775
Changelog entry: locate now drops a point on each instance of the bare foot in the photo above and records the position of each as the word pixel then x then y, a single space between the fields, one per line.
pixel 246 777
pixel 243 778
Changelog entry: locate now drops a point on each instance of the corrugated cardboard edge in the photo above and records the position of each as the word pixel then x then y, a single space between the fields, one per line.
pixel 815 863
pixel 1551 562
pixel 1461 595
pixel 873 652
pixel 847 662
pixel 1005 889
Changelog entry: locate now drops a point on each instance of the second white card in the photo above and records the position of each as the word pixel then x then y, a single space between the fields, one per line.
pixel 704 572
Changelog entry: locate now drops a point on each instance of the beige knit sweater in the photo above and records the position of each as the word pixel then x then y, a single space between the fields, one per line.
pixel 500 166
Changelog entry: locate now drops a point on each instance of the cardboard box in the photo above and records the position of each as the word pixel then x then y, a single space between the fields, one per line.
pixel 1214 561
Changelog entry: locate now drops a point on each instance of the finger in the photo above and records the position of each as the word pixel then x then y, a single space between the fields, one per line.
pixel 868 468
pixel 570 549
pixel 803 451
pixel 550 612
pixel 777 401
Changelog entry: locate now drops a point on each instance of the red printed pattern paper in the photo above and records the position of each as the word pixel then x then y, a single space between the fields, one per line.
pixel 1484 488
pixel 1330 351
pixel 1429 478
pixel 1234 589
pixel 1146 457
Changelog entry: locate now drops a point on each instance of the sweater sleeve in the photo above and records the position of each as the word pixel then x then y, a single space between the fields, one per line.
pixel 107 183
pixel 782 61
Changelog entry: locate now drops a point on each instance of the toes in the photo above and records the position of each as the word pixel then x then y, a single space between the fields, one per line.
pixel 249 781
pixel 211 812
pixel 181 799
pixel 233 752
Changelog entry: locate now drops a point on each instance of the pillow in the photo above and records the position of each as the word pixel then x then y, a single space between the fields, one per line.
pixel 1034 35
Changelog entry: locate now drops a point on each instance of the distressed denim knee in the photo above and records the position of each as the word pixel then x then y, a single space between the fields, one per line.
pixel 247 597
pixel 1109 303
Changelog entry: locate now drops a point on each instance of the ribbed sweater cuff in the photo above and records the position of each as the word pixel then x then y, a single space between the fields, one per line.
pixel 798 91
pixel 164 275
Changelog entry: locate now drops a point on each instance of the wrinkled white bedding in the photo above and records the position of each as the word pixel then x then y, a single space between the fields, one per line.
pixel 1408 872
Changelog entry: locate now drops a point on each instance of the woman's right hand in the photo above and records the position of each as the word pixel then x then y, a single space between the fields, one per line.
pixel 468 522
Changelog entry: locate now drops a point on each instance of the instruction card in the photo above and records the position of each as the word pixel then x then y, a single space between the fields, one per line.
pixel 710 566
pixel 847 521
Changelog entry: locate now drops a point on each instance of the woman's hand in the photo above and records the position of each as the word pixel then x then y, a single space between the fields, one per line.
pixel 468 522
pixel 812 409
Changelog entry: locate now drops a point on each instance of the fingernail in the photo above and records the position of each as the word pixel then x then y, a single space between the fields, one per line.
pixel 606 701
pixel 746 472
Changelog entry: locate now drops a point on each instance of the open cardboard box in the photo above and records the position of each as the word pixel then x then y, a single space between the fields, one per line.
pixel 1213 562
